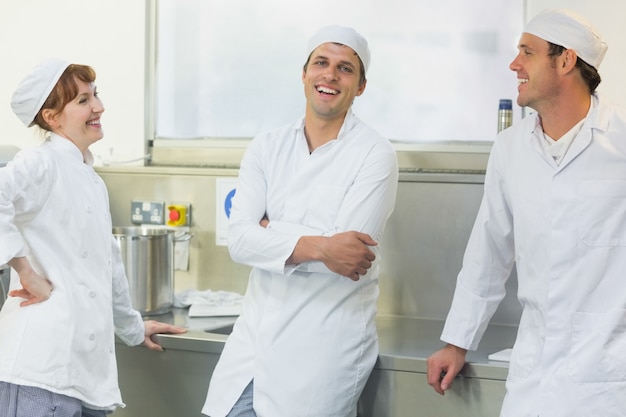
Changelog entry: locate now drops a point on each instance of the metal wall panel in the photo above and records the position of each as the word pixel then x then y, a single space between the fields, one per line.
pixel 423 244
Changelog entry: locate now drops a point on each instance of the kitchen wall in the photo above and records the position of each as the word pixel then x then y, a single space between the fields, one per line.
pixel 210 266
pixel 110 36
pixel 422 247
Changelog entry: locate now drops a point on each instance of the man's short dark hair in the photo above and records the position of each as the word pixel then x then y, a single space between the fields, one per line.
pixel 589 73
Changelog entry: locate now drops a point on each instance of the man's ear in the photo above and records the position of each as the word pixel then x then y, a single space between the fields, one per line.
pixel 361 88
pixel 569 59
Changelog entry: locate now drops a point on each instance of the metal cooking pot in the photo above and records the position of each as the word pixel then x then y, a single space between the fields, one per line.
pixel 148 256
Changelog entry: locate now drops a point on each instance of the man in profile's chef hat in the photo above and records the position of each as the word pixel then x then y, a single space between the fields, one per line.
pixel 311 204
pixel 554 208
pixel 567 29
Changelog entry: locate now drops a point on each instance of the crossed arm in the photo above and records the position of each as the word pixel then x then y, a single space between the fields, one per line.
pixel 346 253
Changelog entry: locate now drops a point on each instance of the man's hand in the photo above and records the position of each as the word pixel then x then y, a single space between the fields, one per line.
pixel 346 253
pixel 155 327
pixel 35 288
pixel 443 366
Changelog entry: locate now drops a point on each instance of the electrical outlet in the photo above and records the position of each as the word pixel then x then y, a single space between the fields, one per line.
pixel 147 212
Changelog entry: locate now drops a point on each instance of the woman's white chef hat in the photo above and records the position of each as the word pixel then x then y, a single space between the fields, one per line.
pixel 345 36
pixel 35 88
pixel 567 29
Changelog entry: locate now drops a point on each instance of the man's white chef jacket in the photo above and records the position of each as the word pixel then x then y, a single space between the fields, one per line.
pixel 306 335
pixel 54 209
pixel 565 227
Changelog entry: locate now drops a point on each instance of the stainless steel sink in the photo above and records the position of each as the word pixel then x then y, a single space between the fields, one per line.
pixel 228 329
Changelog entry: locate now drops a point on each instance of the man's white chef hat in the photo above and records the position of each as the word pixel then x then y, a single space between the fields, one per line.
pixel 35 88
pixel 567 29
pixel 345 36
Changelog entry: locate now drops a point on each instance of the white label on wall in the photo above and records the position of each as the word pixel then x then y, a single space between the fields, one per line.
pixel 225 191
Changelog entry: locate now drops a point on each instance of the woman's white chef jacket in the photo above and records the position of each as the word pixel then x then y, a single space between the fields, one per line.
pixel 54 208
pixel 306 335
pixel 565 228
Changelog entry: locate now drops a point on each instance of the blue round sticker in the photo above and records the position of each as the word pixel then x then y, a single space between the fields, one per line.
pixel 228 202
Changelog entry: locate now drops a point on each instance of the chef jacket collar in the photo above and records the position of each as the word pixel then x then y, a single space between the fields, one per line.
pixel 346 127
pixel 69 148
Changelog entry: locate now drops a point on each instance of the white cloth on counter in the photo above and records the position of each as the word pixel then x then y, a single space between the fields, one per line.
pixel 209 303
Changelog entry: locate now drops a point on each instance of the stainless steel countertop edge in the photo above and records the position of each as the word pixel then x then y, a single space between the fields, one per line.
pixel 404 342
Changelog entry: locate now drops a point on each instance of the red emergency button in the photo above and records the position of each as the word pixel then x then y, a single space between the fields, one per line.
pixel 177 215
pixel 174 215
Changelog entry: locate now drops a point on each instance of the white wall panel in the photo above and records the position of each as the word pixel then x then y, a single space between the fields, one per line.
pixel 108 35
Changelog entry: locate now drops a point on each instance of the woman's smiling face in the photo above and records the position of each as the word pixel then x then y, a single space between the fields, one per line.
pixel 80 119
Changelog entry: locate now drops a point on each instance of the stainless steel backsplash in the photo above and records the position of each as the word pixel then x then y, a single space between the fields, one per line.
pixel 423 243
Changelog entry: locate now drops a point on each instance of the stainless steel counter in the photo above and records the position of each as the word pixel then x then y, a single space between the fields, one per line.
pixel 398 384
pixel 405 342
pixel 173 382
pixel 204 334
pixel 396 388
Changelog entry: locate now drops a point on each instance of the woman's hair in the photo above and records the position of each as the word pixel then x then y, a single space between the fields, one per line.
pixel 65 90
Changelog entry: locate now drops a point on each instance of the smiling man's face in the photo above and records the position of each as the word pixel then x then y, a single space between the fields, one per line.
pixel 331 80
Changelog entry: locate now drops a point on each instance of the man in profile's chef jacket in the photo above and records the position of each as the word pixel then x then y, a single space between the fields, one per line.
pixel 555 205
pixel 311 204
